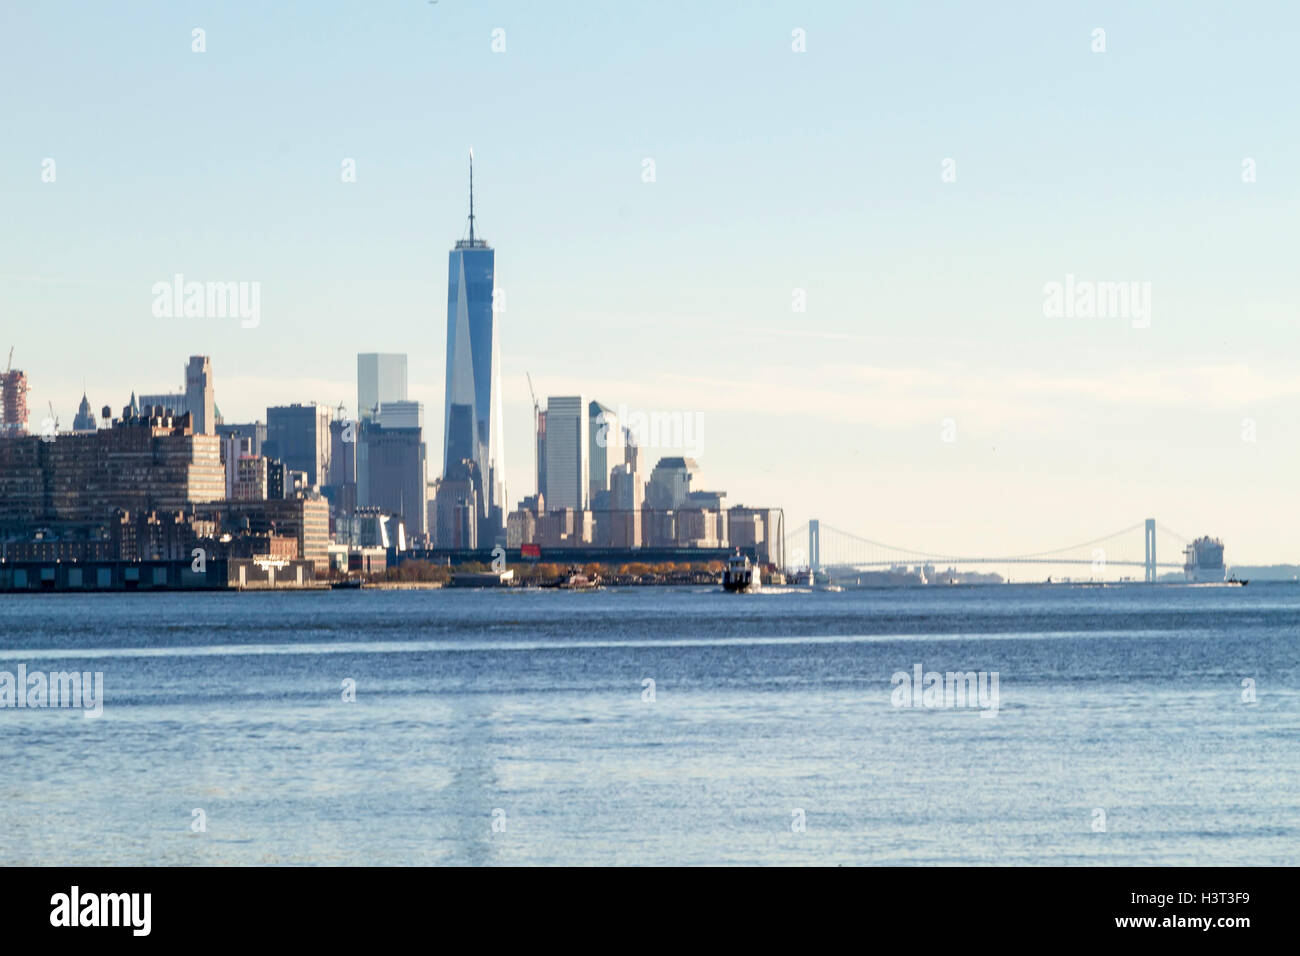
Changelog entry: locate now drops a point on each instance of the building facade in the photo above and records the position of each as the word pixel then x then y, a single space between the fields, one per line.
pixel 305 519
pixel 136 465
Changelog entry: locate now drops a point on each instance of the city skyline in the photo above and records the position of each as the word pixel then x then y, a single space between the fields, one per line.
pixel 924 298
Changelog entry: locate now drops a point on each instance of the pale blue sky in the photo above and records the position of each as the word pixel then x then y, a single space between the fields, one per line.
pixel 775 170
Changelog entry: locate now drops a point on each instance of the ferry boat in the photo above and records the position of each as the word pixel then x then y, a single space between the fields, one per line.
pixel 742 575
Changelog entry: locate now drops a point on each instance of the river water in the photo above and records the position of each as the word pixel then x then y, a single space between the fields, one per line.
pixel 1133 725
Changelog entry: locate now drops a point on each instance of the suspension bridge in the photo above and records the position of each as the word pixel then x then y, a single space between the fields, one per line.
pixel 818 547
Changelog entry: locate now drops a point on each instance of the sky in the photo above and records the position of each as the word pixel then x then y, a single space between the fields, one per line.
pixel 916 176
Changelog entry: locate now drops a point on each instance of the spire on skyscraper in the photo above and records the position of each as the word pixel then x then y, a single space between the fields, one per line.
pixel 473 242
pixel 471 195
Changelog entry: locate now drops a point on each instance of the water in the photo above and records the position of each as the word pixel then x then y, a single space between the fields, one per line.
pixel 1123 700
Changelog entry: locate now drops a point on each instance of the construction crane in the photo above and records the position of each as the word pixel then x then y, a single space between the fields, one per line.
pixel 54 418
pixel 10 367
pixel 536 408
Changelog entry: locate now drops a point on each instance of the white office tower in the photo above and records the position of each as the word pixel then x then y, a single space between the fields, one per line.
pixel 606 446
pixel 381 378
pixel 568 467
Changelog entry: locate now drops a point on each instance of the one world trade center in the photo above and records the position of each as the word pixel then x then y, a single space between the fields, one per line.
pixel 473 444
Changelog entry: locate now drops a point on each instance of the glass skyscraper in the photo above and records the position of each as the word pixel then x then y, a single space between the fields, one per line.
pixel 380 378
pixel 473 443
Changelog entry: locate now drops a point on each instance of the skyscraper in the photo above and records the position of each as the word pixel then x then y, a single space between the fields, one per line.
pixel 568 468
pixel 472 415
pixel 299 436
pixel 626 496
pixel 13 401
pixel 391 473
pixel 670 483
pixel 199 395
pixel 380 378
pixel 541 453
pixel 606 449
pixel 197 398
pixel 85 420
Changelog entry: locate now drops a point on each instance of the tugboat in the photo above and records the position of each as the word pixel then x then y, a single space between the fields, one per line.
pixel 821 581
pixel 742 576
pixel 577 580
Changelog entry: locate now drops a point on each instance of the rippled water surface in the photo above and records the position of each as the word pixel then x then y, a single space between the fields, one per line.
pixel 529 708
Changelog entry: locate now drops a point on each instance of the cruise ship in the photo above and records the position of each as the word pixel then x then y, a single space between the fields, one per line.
pixel 1203 562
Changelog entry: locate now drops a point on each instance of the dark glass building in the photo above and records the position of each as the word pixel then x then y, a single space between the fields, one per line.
pixel 472 413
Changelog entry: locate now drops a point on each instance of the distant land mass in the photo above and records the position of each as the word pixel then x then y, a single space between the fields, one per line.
pixel 1266 572
pixel 1248 572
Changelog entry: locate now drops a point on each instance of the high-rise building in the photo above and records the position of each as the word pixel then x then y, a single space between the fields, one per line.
pixel 254 431
pixel 85 420
pixel 341 480
pixel 233 448
pixel 250 479
pixel 472 411
pixel 761 530
pixel 541 452
pixel 626 496
pixel 391 473
pixel 137 465
pixel 696 528
pixel 606 445
pixel 197 398
pixel 670 483
pixel 456 511
pixel 299 436
pixel 381 377
pixel 568 439
pixel 278 480
pixel 13 402
pixel 199 395
pixel 714 502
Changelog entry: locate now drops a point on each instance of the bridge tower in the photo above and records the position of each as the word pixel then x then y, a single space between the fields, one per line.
pixel 814 545
pixel 1151 550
